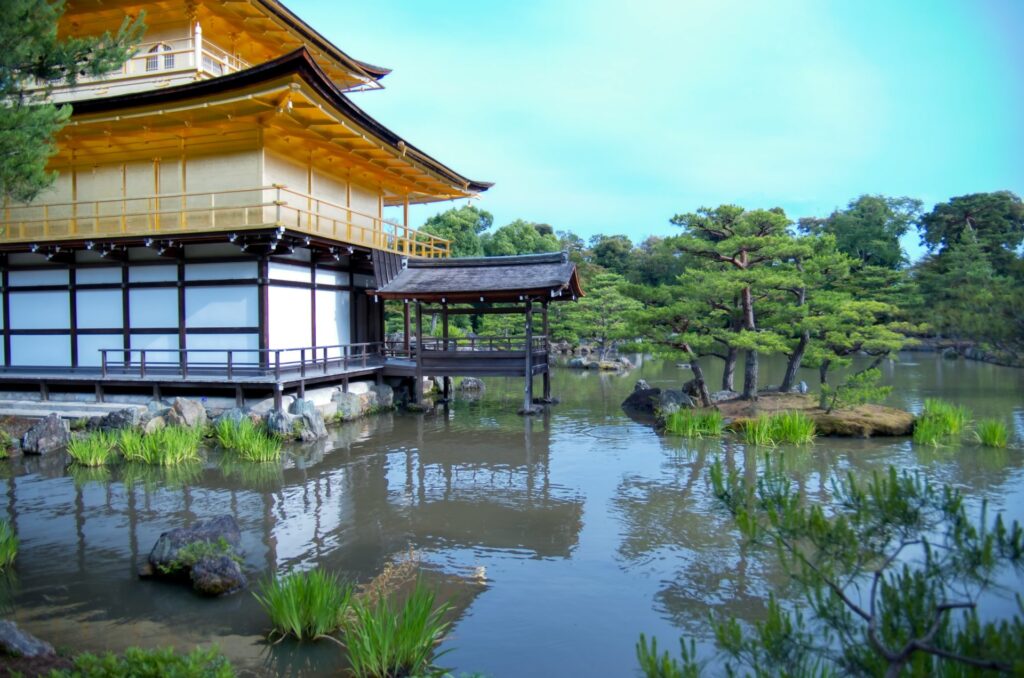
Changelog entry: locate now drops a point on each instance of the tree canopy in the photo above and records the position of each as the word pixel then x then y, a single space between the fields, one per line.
pixel 870 228
pixel 519 237
pixel 33 53
pixel 462 226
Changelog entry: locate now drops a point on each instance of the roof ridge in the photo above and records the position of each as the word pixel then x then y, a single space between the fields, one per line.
pixel 508 260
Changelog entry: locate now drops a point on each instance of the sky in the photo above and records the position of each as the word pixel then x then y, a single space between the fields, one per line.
pixel 610 117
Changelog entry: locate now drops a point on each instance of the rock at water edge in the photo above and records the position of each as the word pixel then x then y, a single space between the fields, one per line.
pixel 46 435
pixel 14 641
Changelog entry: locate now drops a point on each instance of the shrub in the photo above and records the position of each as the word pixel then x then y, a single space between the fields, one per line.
pixel 248 441
pixel 6 443
pixel 384 642
pixel 167 446
pixel 857 389
pixel 793 427
pixel 95 449
pixel 138 663
pixel 307 605
pixel 695 423
pixel 8 545
pixel 992 433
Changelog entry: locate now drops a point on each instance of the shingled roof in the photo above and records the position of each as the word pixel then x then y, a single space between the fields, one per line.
pixel 551 276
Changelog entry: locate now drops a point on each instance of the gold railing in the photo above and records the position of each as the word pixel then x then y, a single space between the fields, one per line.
pixel 237 209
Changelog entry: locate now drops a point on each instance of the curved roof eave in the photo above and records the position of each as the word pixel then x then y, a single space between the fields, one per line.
pixel 298 62
pixel 286 15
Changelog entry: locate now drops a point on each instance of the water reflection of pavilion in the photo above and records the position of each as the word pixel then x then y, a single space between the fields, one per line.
pixel 399 483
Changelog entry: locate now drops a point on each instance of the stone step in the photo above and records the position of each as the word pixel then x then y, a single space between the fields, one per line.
pixel 66 409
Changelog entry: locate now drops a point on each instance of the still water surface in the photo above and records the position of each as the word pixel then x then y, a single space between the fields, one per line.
pixel 557 538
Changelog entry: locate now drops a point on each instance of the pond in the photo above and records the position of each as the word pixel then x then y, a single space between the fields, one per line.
pixel 558 538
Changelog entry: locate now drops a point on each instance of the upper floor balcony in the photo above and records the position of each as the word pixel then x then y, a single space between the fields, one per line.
pixel 157 65
pixel 215 211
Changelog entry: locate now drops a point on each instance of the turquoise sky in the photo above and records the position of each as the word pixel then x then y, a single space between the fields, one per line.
pixel 610 117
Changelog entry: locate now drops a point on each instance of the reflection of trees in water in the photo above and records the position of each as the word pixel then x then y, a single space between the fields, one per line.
pixel 675 518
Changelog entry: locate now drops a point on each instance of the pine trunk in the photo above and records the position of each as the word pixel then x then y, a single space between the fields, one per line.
pixel 729 371
pixel 795 358
pixel 698 380
pixel 750 377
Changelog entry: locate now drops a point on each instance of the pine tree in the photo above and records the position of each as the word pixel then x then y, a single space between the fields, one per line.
pixel 33 53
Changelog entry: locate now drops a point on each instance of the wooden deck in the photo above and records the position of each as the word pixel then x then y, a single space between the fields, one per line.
pixel 278 370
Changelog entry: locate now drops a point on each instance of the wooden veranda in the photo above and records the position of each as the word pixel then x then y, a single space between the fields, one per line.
pixel 479 286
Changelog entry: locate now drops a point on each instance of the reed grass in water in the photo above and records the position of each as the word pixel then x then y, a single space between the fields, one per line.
pixel 384 640
pixel 95 449
pixel 759 432
pixel 940 421
pixel 793 427
pixel 8 545
pixel 306 605
pixel 992 433
pixel 247 441
pixel 695 423
pixel 168 446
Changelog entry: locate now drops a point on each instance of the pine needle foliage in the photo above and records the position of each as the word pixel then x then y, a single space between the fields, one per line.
pixel 890 575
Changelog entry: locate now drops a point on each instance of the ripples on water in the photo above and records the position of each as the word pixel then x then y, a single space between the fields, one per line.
pixel 558 538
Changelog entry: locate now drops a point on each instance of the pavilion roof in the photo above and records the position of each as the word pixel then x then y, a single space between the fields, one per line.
pixel 471 279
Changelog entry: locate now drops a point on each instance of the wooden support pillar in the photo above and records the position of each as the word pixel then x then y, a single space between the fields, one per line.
pixel 547 354
pixel 99 392
pixel 302 389
pixel 239 397
pixel 528 391
pixel 278 398
pixel 44 391
pixel 418 390
pixel 405 326
pixel 446 381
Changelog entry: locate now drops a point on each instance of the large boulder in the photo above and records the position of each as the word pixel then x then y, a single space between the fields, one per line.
pixel 154 424
pixel 47 435
pixel 167 550
pixel 235 415
pixel 670 401
pixel 471 384
pixel 577 363
pixel 720 396
pixel 384 396
pixel 18 643
pixel 642 402
pixel 129 417
pixel 350 405
pixel 307 421
pixel 185 412
pixel 301 406
pixel 279 423
pixel 217 576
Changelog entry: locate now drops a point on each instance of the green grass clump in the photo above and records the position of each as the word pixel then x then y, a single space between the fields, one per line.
pixel 695 423
pixel 759 432
pixel 992 433
pixel 247 441
pixel 940 421
pixel 199 663
pixel 954 418
pixel 792 427
pixel 8 545
pixel 95 449
pixel 929 431
pixel 307 605
pixel 167 446
pixel 383 641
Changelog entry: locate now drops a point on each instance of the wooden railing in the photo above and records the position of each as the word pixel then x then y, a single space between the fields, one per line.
pixel 396 347
pixel 302 362
pixel 172 213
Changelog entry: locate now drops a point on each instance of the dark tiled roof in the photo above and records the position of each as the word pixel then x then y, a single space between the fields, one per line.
pixel 550 276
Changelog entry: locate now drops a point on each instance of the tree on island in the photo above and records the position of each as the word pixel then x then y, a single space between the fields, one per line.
pixel 892 574
pixel 33 53
pixel 742 248
pixel 996 221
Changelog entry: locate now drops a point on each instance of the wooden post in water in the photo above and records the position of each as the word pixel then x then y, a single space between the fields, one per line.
pixel 445 379
pixel 405 328
pixel 547 353
pixel 528 392
pixel 418 390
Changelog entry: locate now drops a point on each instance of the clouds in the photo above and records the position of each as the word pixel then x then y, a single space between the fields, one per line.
pixel 596 115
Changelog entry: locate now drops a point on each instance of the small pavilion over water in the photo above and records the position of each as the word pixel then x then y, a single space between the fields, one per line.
pixel 480 286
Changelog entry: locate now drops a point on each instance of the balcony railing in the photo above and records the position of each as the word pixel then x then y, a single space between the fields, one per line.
pixel 229 210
